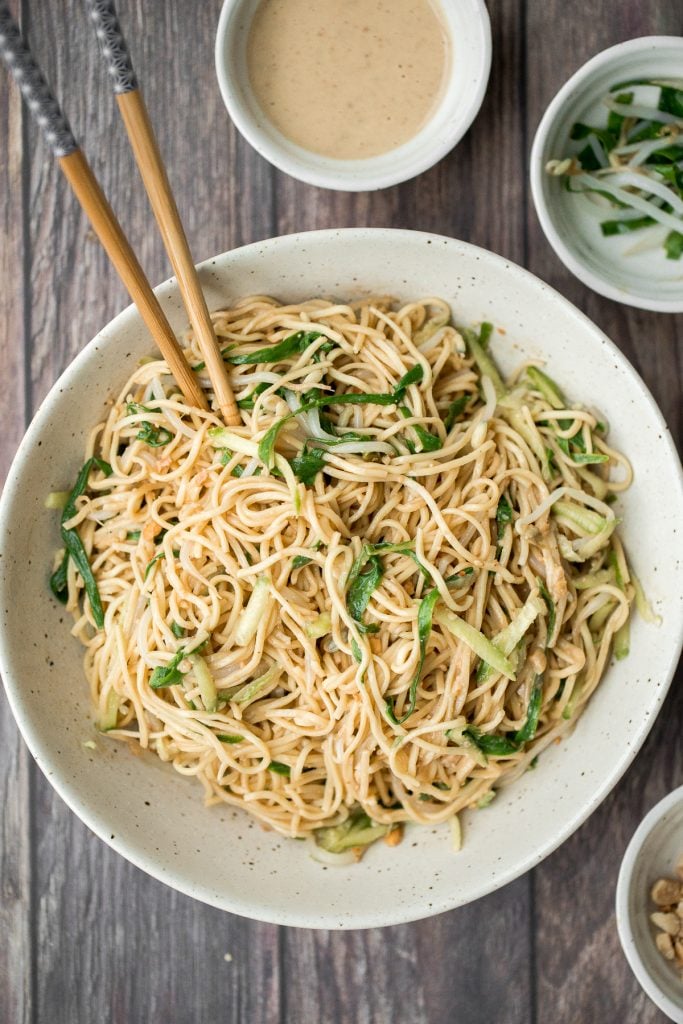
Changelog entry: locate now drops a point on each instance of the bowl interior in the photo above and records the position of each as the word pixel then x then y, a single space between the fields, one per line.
pixel 154 817
pixel 644 277
pixel 656 857
pixel 468 26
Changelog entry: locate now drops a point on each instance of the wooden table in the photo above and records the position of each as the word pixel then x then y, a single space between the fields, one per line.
pixel 84 936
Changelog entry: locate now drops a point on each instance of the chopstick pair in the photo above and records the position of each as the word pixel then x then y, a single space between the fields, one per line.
pixel 46 110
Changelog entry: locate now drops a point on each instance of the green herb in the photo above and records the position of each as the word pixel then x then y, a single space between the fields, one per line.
pixel 455 409
pixel 363 580
pixel 624 227
pixel 150 565
pixel 307 464
pixel 279 768
pixel 290 346
pixel 177 630
pixel 673 245
pixel 168 675
pixel 489 744
pixel 414 376
pixel 485 332
pixel 133 535
pixel 299 561
pixel 74 545
pixel 671 100
pixel 227 737
pixel 155 437
pixel 356 651
pixel 550 605
pixel 250 401
pixel 135 408
pixel 503 515
pixel 266 445
pixel 528 730
pixel 428 442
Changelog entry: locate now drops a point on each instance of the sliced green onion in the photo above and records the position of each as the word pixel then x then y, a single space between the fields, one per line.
pixel 550 605
pixel 487 367
pixel 168 675
pixel 257 608
pixel 320 626
pixel 357 830
pixel 279 768
pixel 284 349
pixel 584 518
pixel 546 385
pixel 528 730
pixel 74 546
pixel 57 499
pixel 490 744
pixel 110 715
pixel 476 641
pixel 642 604
pixel 205 682
pixel 507 639
pixel 229 737
pixel 257 687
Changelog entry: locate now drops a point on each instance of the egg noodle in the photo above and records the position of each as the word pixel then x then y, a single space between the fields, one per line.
pixel 349 612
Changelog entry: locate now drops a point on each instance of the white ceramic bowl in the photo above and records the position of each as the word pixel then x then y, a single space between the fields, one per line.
pixel 155 818
pixel 469 27
pixel 647 279
pixel 653 853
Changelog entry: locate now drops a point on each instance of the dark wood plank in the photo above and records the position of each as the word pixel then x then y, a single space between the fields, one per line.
pixel 453 967
pixel 582 973
pixel 15 795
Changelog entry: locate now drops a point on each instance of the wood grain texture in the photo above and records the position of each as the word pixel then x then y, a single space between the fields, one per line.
pixel 15 762
pixel 86 937
pixel 582 973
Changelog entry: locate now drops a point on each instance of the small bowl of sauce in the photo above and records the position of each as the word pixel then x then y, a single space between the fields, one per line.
pixel 353 94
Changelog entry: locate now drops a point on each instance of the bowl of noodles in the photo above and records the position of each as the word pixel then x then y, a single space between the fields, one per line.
pixel 380 648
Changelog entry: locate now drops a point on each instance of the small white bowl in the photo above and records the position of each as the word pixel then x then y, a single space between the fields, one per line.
pixel 653 853
pixel 470 31
pixel 646 280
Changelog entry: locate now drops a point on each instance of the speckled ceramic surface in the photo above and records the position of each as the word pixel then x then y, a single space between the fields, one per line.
pixel 142 808
pixel 654 851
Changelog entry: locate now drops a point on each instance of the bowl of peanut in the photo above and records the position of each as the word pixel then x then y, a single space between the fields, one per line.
pixel 650 904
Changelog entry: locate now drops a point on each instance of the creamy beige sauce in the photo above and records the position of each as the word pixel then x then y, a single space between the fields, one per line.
pixel 348 78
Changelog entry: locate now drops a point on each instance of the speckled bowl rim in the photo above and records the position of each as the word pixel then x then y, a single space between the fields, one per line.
pixel 347 175
pixel 624 927
pixel 536 173
pixel 96 820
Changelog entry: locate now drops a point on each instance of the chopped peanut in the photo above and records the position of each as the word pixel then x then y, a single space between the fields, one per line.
pixel 669 923
pixel 667 894
pixel 665 945
pixel 666 891
pixel 394 837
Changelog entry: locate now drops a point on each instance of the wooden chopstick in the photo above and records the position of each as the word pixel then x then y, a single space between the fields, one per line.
pixel 153 172
pixel 43 105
